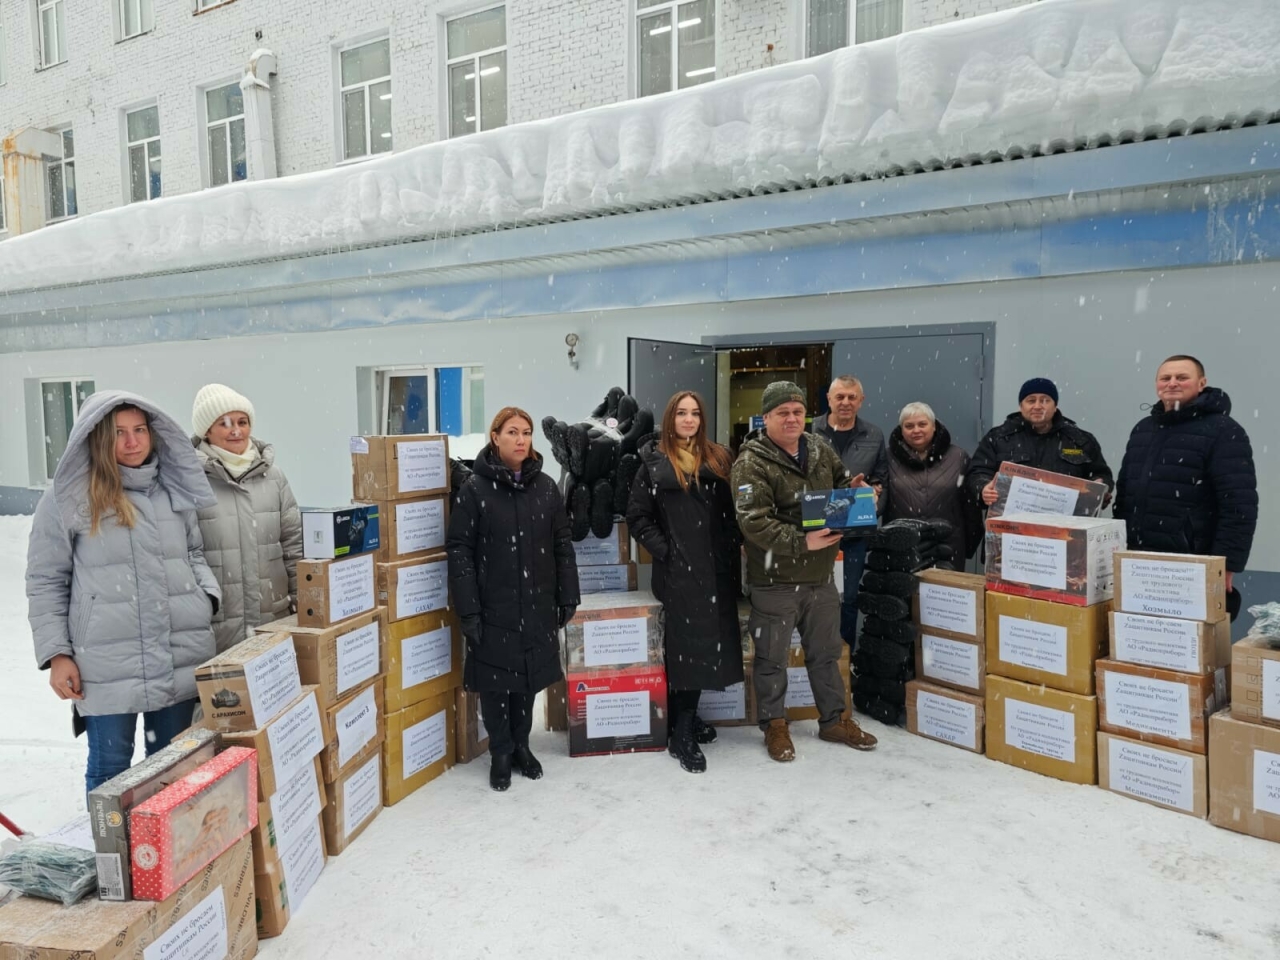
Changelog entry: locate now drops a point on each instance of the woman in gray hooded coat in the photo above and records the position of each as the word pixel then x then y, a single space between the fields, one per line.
pixel 253 535
pixel 119 595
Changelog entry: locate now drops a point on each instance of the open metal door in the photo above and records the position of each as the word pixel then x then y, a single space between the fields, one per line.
pixel 657 369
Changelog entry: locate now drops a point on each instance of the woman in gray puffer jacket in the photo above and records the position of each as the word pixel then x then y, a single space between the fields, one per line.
pixel 253 535
pixel 119 595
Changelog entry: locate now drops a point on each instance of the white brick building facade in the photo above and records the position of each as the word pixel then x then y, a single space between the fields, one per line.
pixel 562 56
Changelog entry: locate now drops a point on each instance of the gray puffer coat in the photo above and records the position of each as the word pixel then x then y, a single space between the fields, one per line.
pixel 131 606
pixel 252 542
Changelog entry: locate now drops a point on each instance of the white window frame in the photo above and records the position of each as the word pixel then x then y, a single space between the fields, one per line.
pixel 146 18
pixel 202 111
pixel 380 402
pixel 203 5
pixel 75 403
pixel 158 138
pixel 62 161
pixel 340 116
pixel 641 8
pixel 853 25
pixel 42 42
pixel 478 119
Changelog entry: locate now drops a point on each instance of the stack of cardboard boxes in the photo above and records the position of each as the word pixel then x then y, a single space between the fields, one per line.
pixel 605 565
pixel 1167 674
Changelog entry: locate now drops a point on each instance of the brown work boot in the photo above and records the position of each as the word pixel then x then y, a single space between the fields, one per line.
pixel 777 740
pixel 850 734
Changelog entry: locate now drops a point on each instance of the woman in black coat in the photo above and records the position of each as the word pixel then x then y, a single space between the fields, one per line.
pixel 682 512
pixel 514 582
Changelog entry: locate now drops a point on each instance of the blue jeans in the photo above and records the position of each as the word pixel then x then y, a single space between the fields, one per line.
pixel 855 559
pixel 111 738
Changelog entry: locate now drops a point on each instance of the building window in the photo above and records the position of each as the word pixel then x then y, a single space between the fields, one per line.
pixel 135 18
pixel 60 180
pixel 143 129
pixel 477 60
pixel 830 23
pixel 446 400
pixel 60 405
pixel 677 46
pixel 53 31
pixel 224 134
pixel 366 100
pixel 209 4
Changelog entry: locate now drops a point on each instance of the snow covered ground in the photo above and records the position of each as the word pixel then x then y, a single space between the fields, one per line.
pixel 917 850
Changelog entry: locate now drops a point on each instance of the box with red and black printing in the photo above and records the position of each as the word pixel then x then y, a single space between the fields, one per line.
pixel 1063 559
pixel 621 710
pixel 187 825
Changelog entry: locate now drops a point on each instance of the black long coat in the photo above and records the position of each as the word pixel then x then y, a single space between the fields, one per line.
pixel 693 537
pixel 511 562
pixel 934 488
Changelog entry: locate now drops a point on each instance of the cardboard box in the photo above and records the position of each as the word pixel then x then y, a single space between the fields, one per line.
pixel 1044 642
pixel 244 687
pixel 735 706
pixel 330 591
pixel 612 578
pixel 948 716
pixel 1022 489
pixel 1244 776
pixel 1189 646
pixel 1043 730
pixel 281 888
pixel 399 467
pixel 337 532
pixel 189 824
pixel 472 737
pixel 290 810
pixel 214 905
pixel 555 706
pixel 798 702
pixel 619 710
pixel 614 630
pixel 610 551
pixel 952 662
pixel 410 588
pixel 1064 559
pixel 286 745
pixel 339 660
pixel 949 603
pixel 110 804
pixel 1255 681
pixel 353 727
pixel 1159 706
pixel 1171 585
pixel 413 529
pixel 850 508
pixel 424 658
pixel 355 800
pixel 420 746
pixel 1161 776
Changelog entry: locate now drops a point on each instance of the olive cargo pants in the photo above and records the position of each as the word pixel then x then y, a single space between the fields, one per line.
pixel 776 610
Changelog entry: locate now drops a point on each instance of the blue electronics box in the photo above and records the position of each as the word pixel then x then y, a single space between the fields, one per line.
pixel 853 508
pixel 339 532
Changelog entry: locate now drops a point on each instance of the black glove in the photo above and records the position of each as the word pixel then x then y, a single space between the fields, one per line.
pixel 471 630
pixel 213 601
pixel 566 614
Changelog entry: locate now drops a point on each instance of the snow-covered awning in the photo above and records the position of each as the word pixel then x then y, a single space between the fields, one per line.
pixel 1058 75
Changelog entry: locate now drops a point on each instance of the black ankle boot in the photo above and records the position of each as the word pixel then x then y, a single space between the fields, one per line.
pixel 500 772
pixel 524 761
pixel 685 748
pixel 703 732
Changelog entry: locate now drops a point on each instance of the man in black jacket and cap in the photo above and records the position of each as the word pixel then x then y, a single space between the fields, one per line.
pixel 1037 435
pixel 1187 482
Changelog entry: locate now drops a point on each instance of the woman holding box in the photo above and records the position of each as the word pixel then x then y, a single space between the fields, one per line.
pixel 253 535
pixel 513 577
pixel 120 597
pixel 681 511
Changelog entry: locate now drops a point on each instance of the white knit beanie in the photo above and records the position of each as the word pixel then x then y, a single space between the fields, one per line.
pixel 212 402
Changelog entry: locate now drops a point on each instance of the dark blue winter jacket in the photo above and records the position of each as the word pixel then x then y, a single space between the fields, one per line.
pixel 1187 483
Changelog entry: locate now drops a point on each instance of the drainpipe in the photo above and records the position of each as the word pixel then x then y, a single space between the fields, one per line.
pixel 22 155
pixel 259 128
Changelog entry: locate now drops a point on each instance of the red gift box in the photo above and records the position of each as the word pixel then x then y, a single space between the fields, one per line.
pixel 186 826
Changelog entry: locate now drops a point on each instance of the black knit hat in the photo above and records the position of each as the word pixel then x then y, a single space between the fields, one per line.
pixel 1039 385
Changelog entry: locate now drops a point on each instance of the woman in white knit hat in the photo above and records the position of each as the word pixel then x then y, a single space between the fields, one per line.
pixel 253 537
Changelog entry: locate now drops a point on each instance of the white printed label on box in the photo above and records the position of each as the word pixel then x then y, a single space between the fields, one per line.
pixel 1271 689
pixel 1038 561
pixel 1042 730
pixel 1163 587
pixel 294 805
pixel 1035 496
pixel 350 587
pixel 359 445
pixel 295 738
pixel 303 861
pixel 425 657
pixel 1149 773
pixel 1157 642
pixel 422 588
pixel 951 661
pixel 424 744
pixel 273 682
pixel 361 795
pixel 421 465
pixel 943 718
pixel 727 704
pixel 1148 706
pixel 1037 646
pixel 359 656
pixel 799 691
pixel 357 725
pixel 618 714
pixel 593 551
pixel 615 578
pixel 949 608
pixel 614 642
pixel 200 935
pixel 76 833
pixel 419 526
pixel 1266 782
pixel 796 639
pixel 110 876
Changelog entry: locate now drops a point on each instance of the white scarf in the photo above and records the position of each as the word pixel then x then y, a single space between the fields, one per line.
pixel 237 464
